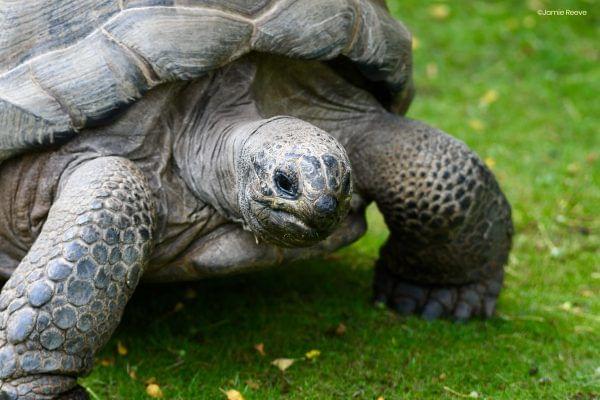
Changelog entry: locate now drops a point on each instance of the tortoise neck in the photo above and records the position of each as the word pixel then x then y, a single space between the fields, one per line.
pixel 220 117
pixel 208 159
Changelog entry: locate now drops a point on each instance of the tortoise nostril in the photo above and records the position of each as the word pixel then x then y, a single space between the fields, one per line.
pixel 326 204
pixel 286 184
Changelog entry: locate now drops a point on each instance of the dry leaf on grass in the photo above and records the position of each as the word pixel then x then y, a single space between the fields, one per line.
pixel 472 395
pixel 283 363
pixel 121 349
pixel 337 330
pixel 178 307
pixel 260 348
pixel 416 43
pixel 232 394
pixel 154 391
pixel 476 124
pixel 489 97
pixel 439 11
pixel 133 374
pixel 490 162
pixel 107 362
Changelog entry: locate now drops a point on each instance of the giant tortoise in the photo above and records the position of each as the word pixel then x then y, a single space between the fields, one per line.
pixel 173 140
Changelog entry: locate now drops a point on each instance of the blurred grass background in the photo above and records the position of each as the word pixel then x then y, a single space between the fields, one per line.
pixel 523 91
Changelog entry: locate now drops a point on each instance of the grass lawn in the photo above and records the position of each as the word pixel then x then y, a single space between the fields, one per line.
pixel 522 90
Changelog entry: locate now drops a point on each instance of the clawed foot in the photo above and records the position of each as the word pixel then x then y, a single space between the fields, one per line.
pixel 458 302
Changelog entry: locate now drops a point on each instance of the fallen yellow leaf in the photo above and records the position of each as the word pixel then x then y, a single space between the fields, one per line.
pixel 283 363
pixel 178 307
pixel 107 362
pixel 476 124
pixel 153 390
pixel 232 394
pixel 587 293
pixel 340 330
pixel 313 354
pixel 473 394
pixel 488 97
pixel 567 306
pixel 490 162
pixel 439 11
pixel 416 43
pixel 121 349
pixel 381 398
pixel 133 374
pixel 260 347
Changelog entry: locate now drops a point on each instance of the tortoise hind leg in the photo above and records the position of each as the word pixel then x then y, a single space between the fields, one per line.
pixel 450 225
pixel 66 297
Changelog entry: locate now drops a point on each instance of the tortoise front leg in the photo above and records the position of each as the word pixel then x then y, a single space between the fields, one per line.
pixel 67 296
pixel 450 224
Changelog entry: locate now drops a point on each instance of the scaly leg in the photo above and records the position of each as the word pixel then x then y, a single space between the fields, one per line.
pixel 66 297
pixel 450 224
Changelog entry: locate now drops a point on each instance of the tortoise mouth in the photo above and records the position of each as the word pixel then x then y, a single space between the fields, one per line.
pixel 283 227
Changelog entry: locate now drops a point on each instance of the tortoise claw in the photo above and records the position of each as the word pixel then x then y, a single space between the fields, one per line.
pixel 459 303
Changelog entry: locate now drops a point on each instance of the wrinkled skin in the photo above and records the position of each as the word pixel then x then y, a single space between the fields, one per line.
pixel 293 192
pixel 206 178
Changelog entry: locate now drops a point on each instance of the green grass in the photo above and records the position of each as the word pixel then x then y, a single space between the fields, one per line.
pixel 541 135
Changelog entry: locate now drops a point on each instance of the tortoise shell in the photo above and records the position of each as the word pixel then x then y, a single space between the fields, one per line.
pixel 70 65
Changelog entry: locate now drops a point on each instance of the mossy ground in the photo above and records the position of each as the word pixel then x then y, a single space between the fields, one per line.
pixel 520 89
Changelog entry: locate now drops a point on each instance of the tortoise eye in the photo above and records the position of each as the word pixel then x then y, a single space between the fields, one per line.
pixel 286 184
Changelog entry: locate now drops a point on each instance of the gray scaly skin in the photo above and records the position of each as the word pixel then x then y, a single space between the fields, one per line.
pixel 450 226
pixel 63 302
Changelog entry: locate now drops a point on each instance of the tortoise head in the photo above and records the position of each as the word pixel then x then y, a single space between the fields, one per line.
pixel 295 182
